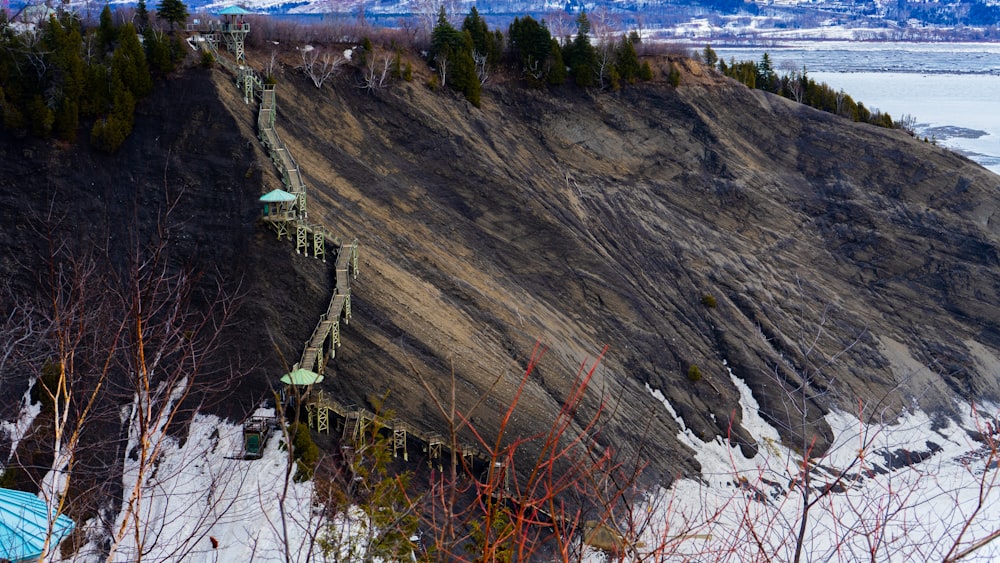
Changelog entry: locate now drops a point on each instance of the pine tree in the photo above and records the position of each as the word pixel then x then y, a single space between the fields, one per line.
pixel 646 71
pixel 106 31
pixel 455 47
pixel 173 12
pixel 65 45
pixel 141 16
pixel 580 55
pixel 533 44
pixel 767 79
pixel 158 53
pixel 483 41
pixel 128 63
pixel 557 74
pixel 627 61
pixel 709 55
pixel 444 36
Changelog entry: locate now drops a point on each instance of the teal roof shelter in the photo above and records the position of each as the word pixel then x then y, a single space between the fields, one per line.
pixel 233 11
pixel 23 524
pixel 301 376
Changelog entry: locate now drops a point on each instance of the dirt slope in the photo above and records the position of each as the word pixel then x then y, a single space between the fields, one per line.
pixel 855 258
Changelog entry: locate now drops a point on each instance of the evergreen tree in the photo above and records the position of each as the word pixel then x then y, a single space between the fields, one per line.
pixel 158 53
pixel 646 71
pixel 98 98
pixel 483 41
pixel 627 61
pixel 557 72
pixel 674 76
pixel 68 79
pixel 453 48
pixel 106 31
pixel 709 55
pixel 580 55
pixel 141 16
pixel 766 78
pixel 128 64
pixel 173 12
pixel 444 36
pixel 533 44
pixel 109 133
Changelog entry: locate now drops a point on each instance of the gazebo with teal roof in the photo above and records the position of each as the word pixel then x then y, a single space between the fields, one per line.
pixel 235 29
pixel 279 209
pixel 24 524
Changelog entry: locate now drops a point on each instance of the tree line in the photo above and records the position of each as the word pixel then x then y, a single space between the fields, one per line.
pixel 64 73
pixel 464 59
pixel 798 86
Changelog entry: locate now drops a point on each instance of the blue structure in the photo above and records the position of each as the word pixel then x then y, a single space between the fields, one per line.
pixel 23 525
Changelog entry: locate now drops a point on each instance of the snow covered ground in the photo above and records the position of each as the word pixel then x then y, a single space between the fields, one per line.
pixel 950 89
pixel 203 504
pixel 903 490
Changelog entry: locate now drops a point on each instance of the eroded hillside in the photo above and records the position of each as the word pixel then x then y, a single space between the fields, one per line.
pixel 854 258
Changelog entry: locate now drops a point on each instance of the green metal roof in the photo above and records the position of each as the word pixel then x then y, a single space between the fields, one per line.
pixel 301 377
pixel 233 11
pixel 277 196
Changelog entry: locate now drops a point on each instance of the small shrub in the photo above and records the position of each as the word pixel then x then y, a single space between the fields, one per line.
pixel 306 452
pixel 674 78
pixel 433 83
pixel 397 66
pixel 207 59
pixel 646 71
pixel 694 373
pixel 408 72
pixel 708 300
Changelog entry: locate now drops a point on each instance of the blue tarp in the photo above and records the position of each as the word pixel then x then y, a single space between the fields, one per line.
pixel 23 525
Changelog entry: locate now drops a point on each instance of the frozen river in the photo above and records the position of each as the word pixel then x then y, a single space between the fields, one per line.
pixel 952 90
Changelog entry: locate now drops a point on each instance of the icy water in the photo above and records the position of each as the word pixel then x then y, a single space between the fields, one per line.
pixel 952 90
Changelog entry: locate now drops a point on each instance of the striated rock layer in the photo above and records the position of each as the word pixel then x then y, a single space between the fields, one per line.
pixel 855 260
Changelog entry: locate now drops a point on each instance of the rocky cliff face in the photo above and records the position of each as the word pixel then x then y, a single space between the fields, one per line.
pixel 853 262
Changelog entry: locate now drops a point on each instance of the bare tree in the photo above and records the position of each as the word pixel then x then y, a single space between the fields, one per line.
pixel 320 67
pixel 441 60
pixel 167 346
pixel 560 24
pixel 376 70
pixel 272 64
pixel 482 67
pixel 605 28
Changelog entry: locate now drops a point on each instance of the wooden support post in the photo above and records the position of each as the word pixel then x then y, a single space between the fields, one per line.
pixel 323 419
pixel 335 335
pixel 468 454
pixel 301 203
pixel 354 258
pixel 435 445
pixel 399 439
pixel 282 228
pixel 319 244
pixel 361 428
pixel 300 240
pixel 347 307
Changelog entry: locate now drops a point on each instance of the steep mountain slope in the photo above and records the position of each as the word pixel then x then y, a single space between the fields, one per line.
pixel 853 258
